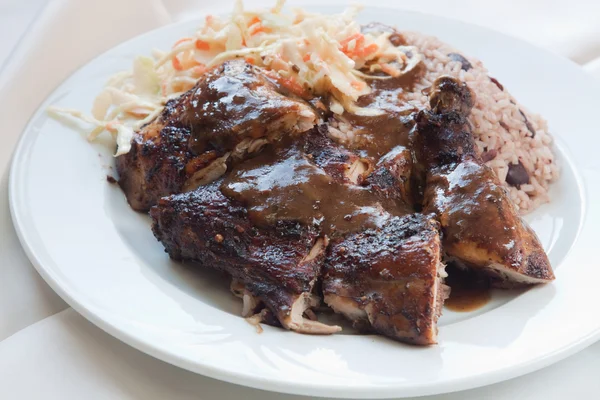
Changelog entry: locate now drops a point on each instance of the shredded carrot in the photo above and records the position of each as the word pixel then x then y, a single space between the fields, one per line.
pixel 163 88
pixel 255 26
pixel 290 83
pixel 176 64
pixel 186 61
pixel 358 50
pixel 202 45
pixel 357 36
pixel 250 60
pixel 366 51
pixel 306 57
pixel 182 40
pixel 253 21
pixel 258 28
pixel 199 69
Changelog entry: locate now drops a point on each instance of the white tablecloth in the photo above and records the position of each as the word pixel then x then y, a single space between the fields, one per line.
pixel 47 351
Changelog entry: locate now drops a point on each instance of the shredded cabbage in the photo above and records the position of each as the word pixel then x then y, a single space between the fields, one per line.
pixel 308 53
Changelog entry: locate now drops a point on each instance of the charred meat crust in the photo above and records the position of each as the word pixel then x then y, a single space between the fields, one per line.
pixel 235 101
pixel 206 227
pixel 383 268
pixel 325 154
pixel 480 225
pixel 391 176
pixel 233 108
pixel 155 165
pixel 446 138
pixel 450 95
pixel 278 265
pixel 391 274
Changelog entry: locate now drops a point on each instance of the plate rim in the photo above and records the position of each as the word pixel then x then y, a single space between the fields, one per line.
pixel 249 380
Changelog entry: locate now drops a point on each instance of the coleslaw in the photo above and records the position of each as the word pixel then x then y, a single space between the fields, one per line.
pixel 309 54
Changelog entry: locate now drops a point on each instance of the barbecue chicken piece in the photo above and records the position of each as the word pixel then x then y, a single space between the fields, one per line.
pixel 481 227
pixel 389 279
pixel 233 110
pixel 340 164
pixel 277 267
pixel 391 177
pixel 386 278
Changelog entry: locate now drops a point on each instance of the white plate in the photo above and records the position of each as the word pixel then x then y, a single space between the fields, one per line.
pixel 101 257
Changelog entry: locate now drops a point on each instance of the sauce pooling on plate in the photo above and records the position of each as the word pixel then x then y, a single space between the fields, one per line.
pixel 469 292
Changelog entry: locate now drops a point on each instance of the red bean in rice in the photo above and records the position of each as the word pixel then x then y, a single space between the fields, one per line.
pixel 507 135
pixel 500 124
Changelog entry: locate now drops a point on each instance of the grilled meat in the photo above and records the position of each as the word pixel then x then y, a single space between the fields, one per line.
pixel 389 279
pixel 233 110
pixel 155 165
pixel 237 101
pixel 238 176
pixel 308 181
pixel 480 224
pixel 259 223
pixel 341 165
pixel 277 266
pixel 391 177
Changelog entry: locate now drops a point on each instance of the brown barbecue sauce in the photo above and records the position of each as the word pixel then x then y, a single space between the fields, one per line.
pixel 283 184
pixel 376 135
pixel 469 291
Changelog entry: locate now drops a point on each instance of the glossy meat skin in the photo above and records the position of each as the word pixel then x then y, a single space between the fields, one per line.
pixel 340 164
pixel 387 279
pixel 265 229
pixel 237 101
pixel 309 181
pixel 233 110
pixel 391 177
pixel 156 164
pixel 481 227
pixel 279 266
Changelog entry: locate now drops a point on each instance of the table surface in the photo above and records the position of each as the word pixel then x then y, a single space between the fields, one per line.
pixel 49 351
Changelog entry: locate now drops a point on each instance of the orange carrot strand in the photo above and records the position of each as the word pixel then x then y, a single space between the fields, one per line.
pixel 202 45
pixel 253 21
pixel 182 40
pixel 177 64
